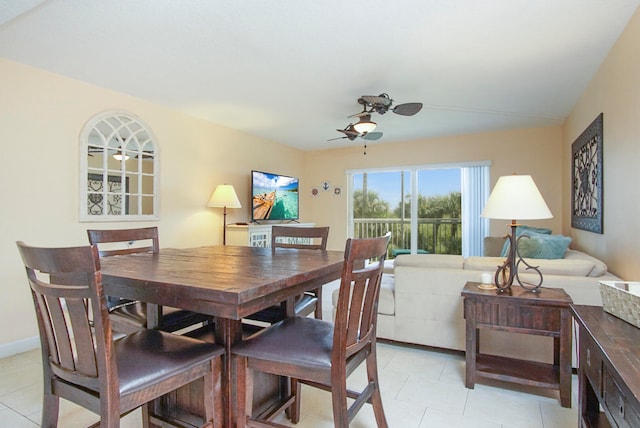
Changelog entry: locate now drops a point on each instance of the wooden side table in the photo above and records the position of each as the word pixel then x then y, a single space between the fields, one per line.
pixel 545 313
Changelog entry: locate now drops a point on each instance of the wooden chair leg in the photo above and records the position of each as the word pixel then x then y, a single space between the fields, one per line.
pixel 244 382
pixel 339 402
pixel 146 415
pixel 208 395
pixel 50 410
pixel 216 366
pixel 376 398
pixel 294 410
pixel 109 414
pixel 318 293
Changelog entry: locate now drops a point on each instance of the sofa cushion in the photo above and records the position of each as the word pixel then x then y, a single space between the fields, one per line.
pixel 386 302
pixel 446 261
pixel 573 267
pixel 388 266
pixel 599 267
pixel 492 245
pixel 524 229
pixel 539 246
pixel 488 264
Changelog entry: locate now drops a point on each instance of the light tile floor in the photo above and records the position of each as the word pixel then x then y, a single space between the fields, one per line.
pixel 420 388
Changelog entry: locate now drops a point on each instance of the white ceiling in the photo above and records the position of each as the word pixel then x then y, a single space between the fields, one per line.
pixel 292 70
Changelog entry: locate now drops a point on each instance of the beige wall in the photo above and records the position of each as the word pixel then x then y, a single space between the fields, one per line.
pixel 41 116
pixel 615 92
pixel 536 152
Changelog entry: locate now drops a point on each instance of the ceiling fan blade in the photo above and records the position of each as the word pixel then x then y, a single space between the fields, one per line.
pixel 372 136
pixel 349 131
pixel 407 109
pixel 337 138
pixel 145 155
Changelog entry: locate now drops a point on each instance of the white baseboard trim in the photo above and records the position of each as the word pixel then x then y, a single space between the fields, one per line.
pixel 19 346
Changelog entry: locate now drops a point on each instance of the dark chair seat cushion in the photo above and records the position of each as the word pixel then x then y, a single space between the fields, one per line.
pixel 172 318
pixel 297 341
pixel 149 356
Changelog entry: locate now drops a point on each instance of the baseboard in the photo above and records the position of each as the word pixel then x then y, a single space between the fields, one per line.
pixel 19 346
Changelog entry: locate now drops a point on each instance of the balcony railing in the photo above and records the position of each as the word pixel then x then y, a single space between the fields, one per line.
pixel 435 235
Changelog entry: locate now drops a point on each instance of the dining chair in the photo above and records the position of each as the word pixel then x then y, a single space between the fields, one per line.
pixel 307 238
pixel 320 353
pixel 83 364
pixel 128 316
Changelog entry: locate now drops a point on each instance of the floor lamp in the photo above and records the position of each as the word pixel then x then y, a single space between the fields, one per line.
pixel 224 197
pixel 515 197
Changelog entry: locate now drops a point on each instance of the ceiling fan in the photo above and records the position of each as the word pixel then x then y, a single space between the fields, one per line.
pixel 383 103
pixel 380 104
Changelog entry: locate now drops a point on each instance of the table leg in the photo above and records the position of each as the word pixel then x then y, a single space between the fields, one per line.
pixel 227 333
pixel 471 343
pixel 154 316
pixel 565 358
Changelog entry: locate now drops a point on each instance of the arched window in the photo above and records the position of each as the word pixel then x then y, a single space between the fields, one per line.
pixel 118 169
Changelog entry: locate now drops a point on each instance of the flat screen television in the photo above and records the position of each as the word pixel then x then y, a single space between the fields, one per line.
pixel 274 197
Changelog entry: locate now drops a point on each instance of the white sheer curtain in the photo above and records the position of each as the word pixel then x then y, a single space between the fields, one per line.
pixel 475 192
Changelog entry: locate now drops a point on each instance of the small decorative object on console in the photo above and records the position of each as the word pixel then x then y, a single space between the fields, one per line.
pixel 622 299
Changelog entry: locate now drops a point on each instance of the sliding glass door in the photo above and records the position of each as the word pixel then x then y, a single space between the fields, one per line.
pixel 423 207
pixel 377 202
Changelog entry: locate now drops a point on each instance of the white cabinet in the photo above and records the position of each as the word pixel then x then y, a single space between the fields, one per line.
pixel 254 235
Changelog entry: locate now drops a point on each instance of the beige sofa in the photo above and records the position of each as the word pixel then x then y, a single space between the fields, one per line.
pixel 420 299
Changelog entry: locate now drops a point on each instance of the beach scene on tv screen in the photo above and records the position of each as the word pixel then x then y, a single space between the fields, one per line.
pixel 275 197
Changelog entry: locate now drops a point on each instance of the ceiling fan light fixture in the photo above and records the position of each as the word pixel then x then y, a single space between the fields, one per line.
pixel 365 125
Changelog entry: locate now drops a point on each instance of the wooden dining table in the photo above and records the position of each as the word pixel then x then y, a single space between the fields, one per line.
pixel 228 282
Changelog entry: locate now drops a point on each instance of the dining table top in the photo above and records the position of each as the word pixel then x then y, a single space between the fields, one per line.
pixel 224 281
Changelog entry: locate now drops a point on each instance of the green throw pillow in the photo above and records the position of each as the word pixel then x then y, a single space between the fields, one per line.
pixel 519 231
pixel 540 246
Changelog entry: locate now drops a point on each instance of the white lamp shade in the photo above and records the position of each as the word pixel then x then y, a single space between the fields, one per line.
pixel 516 197
pixel 224 196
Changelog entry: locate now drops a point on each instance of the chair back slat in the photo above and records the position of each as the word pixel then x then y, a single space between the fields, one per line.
pixel 311 238
pixel 46 326
pixel 82 336
pixel 358 296
pixel 72 318
pixel 125 241
pixel 358 289
pixel 62 333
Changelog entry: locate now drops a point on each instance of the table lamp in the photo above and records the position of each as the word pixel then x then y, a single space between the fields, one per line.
pixel 224 196
pixel 515 197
